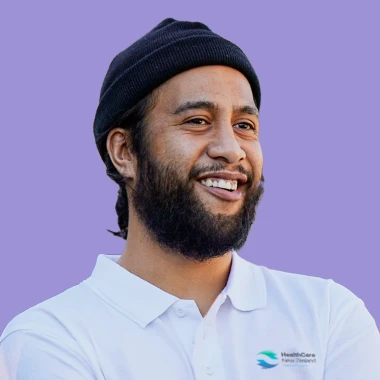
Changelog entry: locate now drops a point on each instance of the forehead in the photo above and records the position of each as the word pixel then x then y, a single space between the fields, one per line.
pixel 219 84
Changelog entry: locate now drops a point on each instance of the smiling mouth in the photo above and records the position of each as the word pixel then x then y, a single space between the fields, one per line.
pixel 228 185
pixel 225 190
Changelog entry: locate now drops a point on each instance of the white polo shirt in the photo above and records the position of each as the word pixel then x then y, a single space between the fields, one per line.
pixel 265 324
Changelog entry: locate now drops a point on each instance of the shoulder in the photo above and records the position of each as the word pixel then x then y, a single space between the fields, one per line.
pixel 302 297
pixel 55 316
pixel 304 289
pixel 46 338
pixel 328 306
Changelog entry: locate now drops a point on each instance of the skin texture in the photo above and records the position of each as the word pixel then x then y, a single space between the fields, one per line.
pixel 222 129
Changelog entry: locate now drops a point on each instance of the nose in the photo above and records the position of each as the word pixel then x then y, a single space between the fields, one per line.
pixel 224 145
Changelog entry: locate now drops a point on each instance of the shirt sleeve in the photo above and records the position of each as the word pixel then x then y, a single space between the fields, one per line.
pixel 26 355
pixel 353 350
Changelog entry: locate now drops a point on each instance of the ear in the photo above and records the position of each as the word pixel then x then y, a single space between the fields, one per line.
pixel 119 150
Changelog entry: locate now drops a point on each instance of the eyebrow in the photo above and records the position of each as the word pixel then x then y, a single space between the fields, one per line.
pixel 250 110
pixel 201 104
pixel 210 106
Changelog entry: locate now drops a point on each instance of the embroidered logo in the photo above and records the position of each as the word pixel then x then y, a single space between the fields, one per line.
pixel 267 359
pixel 298 359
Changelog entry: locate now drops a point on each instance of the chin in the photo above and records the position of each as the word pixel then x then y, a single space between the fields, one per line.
pixel 217 206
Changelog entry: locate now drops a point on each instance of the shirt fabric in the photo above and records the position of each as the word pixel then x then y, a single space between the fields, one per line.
pixel 265 324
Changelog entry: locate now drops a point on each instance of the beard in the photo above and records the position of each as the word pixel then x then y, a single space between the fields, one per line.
pixel 167 204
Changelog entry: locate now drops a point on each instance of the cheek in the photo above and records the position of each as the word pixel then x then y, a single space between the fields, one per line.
pixel 178 151
pixel 255 157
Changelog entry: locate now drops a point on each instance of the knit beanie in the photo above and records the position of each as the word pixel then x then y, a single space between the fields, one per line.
pixel 170 48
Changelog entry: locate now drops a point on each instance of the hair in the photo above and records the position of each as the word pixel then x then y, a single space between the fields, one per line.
pixel 134 121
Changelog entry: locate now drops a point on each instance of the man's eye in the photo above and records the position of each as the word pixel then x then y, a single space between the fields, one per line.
pixel 246 126
pixel 198 121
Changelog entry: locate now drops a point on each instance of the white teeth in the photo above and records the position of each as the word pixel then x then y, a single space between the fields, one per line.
pixel 223 184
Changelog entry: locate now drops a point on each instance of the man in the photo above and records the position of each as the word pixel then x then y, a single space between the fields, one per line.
pixel 178 129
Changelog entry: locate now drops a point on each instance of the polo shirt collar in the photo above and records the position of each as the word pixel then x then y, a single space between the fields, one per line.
pixel 143 302
pixel 246 285
pixel 136 298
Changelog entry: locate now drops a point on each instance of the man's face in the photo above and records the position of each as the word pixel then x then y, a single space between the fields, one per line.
pixel 199 184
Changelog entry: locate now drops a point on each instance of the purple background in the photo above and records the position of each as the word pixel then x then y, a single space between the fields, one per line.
pixel 319 69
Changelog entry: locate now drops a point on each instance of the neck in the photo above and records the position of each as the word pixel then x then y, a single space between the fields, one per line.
pixel 172 272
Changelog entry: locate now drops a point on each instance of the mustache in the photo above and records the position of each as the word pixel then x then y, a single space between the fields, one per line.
pixel 198 170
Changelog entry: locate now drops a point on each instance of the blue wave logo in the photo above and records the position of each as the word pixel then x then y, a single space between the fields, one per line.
pixel 267 359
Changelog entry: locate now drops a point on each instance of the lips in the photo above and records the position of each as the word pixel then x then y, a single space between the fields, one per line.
pixel 231 196
pixel 223 185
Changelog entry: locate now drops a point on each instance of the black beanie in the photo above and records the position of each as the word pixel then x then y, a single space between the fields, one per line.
pixel 167 50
